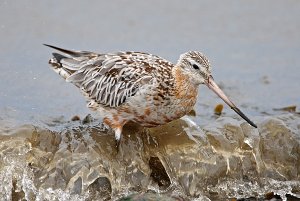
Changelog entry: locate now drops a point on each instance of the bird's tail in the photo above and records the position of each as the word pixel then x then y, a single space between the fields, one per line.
pixel 69 62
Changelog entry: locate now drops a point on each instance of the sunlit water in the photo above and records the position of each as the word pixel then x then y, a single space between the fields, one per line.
pixel 225 159
pixel 254 50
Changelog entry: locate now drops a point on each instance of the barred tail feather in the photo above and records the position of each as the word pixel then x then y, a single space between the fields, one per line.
pixel 57 66
pixel 65 66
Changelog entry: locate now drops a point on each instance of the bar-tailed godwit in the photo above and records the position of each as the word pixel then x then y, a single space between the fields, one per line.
pixel 136 86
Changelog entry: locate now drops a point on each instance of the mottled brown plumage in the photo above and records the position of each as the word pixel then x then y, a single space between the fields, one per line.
pixel 136 86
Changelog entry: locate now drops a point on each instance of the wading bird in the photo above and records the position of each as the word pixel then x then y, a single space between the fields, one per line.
pixel 136 86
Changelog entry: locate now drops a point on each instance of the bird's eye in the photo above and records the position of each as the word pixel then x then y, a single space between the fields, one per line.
pixel 195 66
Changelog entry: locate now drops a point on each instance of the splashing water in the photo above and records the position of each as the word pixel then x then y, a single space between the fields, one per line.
pixel 227 159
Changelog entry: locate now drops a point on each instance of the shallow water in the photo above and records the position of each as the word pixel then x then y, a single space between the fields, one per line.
pixel 227 159
pixel 254 50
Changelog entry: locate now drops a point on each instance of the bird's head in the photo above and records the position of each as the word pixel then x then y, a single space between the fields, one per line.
pixel 198 70
pixel 196 66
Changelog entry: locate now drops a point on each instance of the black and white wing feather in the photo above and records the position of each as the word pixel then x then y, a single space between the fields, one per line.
pixel 107 79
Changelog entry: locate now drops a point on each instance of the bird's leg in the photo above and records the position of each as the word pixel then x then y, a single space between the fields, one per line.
pixel 118 133
pixel 117 128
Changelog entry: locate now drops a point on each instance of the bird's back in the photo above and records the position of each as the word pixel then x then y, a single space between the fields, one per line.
pixel 110 79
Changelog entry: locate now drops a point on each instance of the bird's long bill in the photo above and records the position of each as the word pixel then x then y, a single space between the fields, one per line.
pixel 214 87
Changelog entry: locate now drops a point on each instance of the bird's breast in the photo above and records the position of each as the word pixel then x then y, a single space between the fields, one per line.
pixel 185 91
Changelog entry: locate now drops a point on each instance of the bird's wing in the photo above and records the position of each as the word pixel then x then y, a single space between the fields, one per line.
pixel 107 79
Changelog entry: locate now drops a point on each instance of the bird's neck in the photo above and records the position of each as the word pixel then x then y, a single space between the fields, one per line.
pixel 184 88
